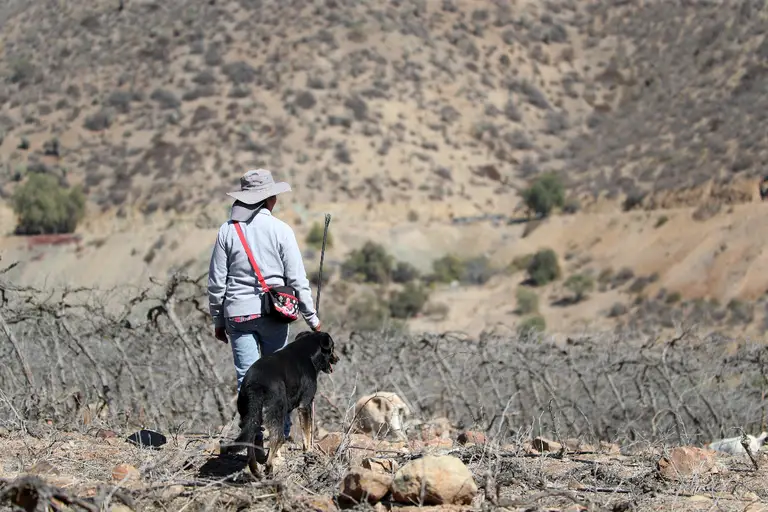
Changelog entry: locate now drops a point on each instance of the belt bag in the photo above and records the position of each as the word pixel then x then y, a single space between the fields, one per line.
pixel 282 303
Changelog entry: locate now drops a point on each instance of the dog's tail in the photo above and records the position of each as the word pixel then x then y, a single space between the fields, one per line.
pixel 249 427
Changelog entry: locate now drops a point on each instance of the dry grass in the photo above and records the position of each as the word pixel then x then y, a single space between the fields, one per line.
pixel 153 364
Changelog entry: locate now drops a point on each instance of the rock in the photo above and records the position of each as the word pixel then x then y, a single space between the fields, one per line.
pixel 438 427
pixel 543 444
pixel 471 437
pixel 686 461
pixel 105 434
pixel 147 439
pixel 442 479
pixel 315 504
pixel 435 508
pixel 125 472
pixel 575 445
pixel 329 443
pixel 119 507
pixel 380 465
pixel 357 446
pixel 363 484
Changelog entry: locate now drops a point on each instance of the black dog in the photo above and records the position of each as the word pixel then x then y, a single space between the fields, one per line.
pixel 275 385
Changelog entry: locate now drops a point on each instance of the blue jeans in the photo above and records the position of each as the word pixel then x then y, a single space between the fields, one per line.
pixel 252 339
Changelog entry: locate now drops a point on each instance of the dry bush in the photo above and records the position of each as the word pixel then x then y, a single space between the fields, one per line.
pixel 150 357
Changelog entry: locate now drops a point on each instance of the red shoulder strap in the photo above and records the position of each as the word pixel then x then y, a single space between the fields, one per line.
pixel 263 284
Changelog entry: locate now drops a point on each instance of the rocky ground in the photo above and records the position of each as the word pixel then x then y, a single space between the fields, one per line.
pixel 441 469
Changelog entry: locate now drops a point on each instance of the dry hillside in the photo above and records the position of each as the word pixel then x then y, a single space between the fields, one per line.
pixel 414 122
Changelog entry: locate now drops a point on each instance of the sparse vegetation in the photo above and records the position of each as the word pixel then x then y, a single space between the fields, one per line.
pixel 543 267
pixel 472 271
pixel 315 237
pixel 43 206
pixel 544 194
pixel 370 264
pixel 409 301
pixel 532 324
pixel 447 269
pixel 404 272
pixel 527 301
pixel 580 285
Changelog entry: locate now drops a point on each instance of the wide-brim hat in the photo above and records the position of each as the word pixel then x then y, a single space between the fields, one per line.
pixel 255 186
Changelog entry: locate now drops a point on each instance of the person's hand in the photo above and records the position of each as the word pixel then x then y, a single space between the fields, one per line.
pixel 221 334
pixel 318 327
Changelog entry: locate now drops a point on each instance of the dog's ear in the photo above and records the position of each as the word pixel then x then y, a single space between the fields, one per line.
pixel 326 342
pixel 302 334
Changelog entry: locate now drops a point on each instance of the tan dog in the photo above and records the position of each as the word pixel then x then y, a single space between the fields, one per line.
pixel 381 413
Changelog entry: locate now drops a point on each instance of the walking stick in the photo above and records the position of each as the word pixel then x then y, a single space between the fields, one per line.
pixel 319 287
pixel 322 258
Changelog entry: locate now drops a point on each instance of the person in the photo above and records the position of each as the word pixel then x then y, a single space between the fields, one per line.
pixel 235 297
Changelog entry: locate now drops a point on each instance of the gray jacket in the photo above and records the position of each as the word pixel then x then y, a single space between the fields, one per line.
pixel 234 290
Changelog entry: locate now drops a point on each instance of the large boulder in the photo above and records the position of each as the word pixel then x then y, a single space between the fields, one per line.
pixel 362 484
pixel 686 461
pixel 434 480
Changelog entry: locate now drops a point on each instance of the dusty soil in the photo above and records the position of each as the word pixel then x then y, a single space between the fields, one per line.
pixel 183 475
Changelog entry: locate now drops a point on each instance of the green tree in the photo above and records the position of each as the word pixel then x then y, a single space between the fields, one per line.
pixel 43 206
pixel 544 194
pixel 580 285
pixel 370 264
pixel 315 237
pixel 543 267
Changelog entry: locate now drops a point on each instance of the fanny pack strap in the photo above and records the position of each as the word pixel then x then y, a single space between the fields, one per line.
pixel 240 234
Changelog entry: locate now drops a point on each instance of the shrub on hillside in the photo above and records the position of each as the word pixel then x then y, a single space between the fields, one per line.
pixel 370 264
pixel 315 237
pixel 473 271
pixel 546 193
pixel 447 269
pixel 544 267
pixel 368 313
pixel 477 271
pixel 580 285
pixel 404 272
pixel 44 206
pixel 519 263
pixel 527 301
pixel 408 302
pixel 532 324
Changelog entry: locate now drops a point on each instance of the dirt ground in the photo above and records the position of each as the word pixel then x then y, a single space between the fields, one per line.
pixel 187 474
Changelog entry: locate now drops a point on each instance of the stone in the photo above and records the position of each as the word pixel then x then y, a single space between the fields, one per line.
pixel 105 434
pixel 317 503
pixel 685 461
pixel 362 484
pixel 329 443
pixel 442 480
pixel 119 507
pixel 438 427
pixel 125 472
pixel 471 437
pixel 543 444
pixel 380 465
pixel 146 438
